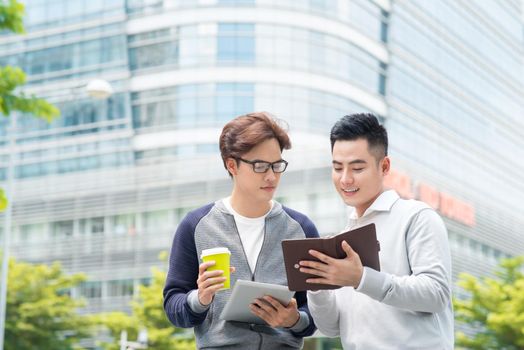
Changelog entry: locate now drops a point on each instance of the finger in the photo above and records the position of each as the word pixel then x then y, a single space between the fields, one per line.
pixel 212 281
pixel 347 249
pixel 264 305
pixel 211 274
pixel 292 304
pixel 262 310
pixel 314 265
pixel 232 269
pixel 204 266
pixel 273 302
pixel 320 281
pixel 211 290
pixel 257 311
pixel 320 256
pixel 312 271
pixel 310 263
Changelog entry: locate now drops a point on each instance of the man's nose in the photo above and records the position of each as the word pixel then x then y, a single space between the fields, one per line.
pixel 270 175
pixel 347 177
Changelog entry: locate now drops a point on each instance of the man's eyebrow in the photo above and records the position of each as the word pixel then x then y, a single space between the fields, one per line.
pixel 356 161
pixel 265 161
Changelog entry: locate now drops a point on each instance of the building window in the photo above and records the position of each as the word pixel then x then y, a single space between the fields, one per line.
pixel 32 233
pixel 236 43
pixel 146 281
pixel 382 79
pixel 120 288
pixel 233 99
pixel 64 60
pixel 123 224
pixel 90 289
pixel 92 226
pixel 153 49
pixel 325 6
pixel 192 105
pixel 155 220
pixel 235 2
pixel 62 229
pixel 384 26
pixel 135 7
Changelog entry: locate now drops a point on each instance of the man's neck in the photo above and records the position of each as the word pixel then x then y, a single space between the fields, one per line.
pixel 249 208
pixel 362 209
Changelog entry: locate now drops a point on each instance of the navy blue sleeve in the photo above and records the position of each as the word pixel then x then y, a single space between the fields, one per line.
pixel 183 272
pixel 307 225
pixel 310 231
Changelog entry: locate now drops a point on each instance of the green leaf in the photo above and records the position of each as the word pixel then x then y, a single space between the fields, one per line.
pixel 11 16
pixel 495 308
pixel 147 312
pixel 10 79
pixel 38 311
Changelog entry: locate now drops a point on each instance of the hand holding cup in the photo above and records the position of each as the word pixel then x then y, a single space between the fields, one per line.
pixel 213 273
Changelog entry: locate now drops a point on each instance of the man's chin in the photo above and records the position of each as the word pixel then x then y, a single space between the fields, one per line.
pixel 351 201
pixel 266 196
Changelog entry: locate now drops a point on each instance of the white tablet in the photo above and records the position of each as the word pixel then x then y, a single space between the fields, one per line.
pixel 245 292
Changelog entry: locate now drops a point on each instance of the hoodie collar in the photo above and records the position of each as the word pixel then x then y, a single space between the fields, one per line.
pixel 277 208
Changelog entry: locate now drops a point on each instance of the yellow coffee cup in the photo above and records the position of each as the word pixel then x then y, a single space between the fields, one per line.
pixel 221 257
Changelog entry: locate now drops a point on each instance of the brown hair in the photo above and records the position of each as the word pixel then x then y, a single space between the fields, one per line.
pixel 243 133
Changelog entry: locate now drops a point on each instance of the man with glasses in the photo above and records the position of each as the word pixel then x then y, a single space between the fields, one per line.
pixel 252 225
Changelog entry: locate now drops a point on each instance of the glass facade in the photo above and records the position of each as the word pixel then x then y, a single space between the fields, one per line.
pixel 455 87
pixel 261 45
pixel 103 187
pixel 212 105
pixel 67 55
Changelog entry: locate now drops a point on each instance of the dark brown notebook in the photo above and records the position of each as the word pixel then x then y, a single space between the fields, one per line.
pixel 363 240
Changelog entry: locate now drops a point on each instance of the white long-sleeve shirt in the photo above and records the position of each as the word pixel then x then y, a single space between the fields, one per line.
pixel 407 305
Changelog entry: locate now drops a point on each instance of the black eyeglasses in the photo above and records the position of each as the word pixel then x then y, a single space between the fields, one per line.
pixel 259 166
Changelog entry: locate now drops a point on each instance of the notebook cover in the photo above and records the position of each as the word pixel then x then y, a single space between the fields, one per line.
pixel 363 240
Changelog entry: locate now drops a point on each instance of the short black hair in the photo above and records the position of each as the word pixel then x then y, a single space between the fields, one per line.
pixel 361 126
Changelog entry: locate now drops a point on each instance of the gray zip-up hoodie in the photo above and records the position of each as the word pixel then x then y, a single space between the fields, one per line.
pixel 213 226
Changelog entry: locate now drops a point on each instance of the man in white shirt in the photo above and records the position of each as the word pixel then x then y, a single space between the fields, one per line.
pixel 407 305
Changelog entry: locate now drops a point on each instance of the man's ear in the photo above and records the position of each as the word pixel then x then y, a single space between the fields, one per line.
pixel 386 165
pixel 232 166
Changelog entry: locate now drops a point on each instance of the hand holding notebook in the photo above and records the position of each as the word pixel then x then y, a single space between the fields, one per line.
pixel 362 240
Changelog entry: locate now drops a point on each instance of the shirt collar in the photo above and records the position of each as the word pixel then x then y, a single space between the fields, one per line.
pixel 384 202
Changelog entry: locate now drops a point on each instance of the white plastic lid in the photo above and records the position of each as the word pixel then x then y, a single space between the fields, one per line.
pixel 213 251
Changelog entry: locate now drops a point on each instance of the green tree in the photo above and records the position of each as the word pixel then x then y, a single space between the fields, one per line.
pixel 495 308
pixel 13 78
pixel 40 312
pixel 148 313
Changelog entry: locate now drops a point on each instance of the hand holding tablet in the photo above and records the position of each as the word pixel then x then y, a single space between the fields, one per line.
pixel 244 294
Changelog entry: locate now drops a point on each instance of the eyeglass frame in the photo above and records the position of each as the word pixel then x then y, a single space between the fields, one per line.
pixel 268 165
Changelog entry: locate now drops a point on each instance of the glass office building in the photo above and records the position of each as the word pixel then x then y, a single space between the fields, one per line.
pixel 102 188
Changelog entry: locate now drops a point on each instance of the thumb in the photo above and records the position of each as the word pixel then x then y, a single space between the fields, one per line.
pixel 347 248
pixel 292 303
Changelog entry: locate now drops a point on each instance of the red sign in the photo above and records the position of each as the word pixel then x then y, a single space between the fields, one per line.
pixel 446 204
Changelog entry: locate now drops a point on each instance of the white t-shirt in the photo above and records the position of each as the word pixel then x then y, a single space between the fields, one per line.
pixel 251 231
